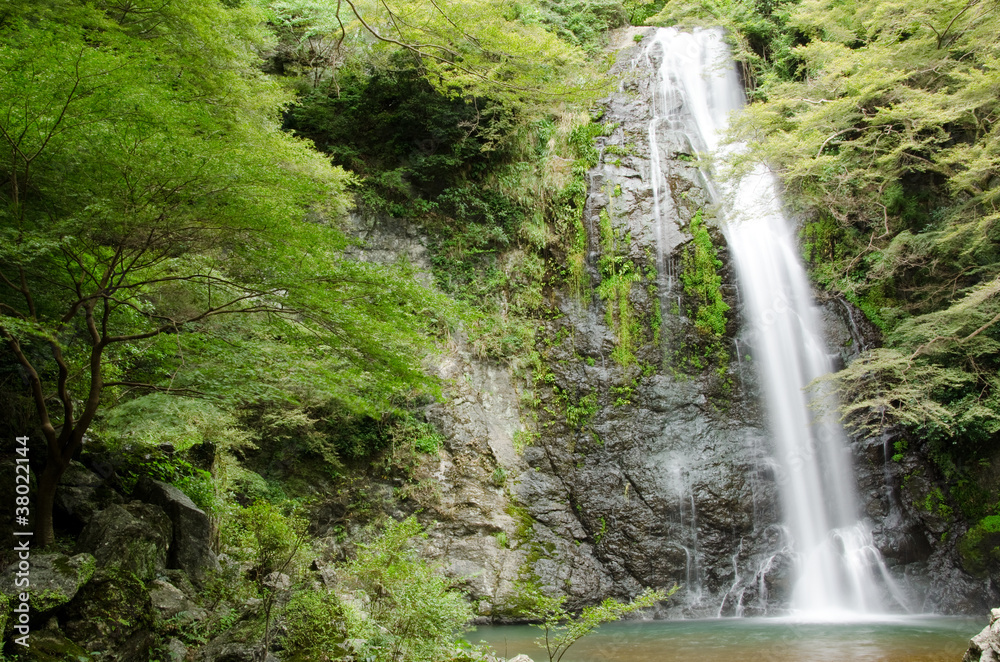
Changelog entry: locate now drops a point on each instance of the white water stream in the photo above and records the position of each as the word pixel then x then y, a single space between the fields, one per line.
pixel 839 572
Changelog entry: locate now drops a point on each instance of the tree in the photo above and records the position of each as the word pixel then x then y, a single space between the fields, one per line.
pixel 501 51
pixel 148 198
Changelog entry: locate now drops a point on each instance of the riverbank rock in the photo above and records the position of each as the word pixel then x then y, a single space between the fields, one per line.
pixel 985 646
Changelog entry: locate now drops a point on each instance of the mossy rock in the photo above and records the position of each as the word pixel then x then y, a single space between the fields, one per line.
pixel 980 547
pixel 51 645
pixel 55 580
pixel 132 538
pixel 110 611
pixel 5 613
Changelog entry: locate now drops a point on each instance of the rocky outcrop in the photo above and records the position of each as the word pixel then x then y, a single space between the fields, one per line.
pixel 652 473
pixel 985 646
pixel 169 602
pixel 190 546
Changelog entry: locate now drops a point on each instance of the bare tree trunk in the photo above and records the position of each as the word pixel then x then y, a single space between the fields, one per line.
pixel 45 498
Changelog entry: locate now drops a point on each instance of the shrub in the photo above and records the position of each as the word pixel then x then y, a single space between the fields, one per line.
pixel 980 547
pixel 413 613
pixel 315 627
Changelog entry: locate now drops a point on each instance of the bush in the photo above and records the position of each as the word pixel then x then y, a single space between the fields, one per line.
pixel 413 613
pixel 980 547
pixel 315 627
pixel 265 537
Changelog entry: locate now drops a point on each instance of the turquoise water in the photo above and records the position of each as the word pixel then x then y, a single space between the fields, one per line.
pixel 909 639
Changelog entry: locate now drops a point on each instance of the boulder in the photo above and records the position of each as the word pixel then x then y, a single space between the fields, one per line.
pixel 985 646
pixel 133 537
pixel 169 602
pixel 278 582
pixel 190 548
pixel 55 579
pixel 112 614
pixel 81 495
pixel 176 651
pixel 231 651
pixel 51 645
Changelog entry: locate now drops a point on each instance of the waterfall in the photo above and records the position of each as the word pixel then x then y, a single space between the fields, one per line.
pixel 838 568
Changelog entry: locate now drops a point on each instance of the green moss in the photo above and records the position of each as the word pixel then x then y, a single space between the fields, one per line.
pixel 702 282
pixel 52 646
pixel 979 548
pixel 618 273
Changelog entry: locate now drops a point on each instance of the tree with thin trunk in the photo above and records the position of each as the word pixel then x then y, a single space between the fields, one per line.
pixel 148 198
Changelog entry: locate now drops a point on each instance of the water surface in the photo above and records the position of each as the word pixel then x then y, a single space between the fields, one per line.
pixel 903 639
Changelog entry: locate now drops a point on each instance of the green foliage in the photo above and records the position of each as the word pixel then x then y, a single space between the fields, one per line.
pixel 523 439
pixel 579 414
pixel 266 537
pixel 980 546
pixel 702 282
pixel 316 626
pixel 600 533
pixel 166 236
pixel 411 612
pixel 703 288
pixel 618 273
pixel 399 133
pixel 581 22
pixel 936 375
pixel 159 418
pixel 562 629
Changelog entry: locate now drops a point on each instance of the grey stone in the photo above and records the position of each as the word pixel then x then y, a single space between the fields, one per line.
pixel 133 537
pixel 169 602
pixel 190 548
pixel 985 646
pixel 112 615
pixel 80 495
pixel 225 650
pixel 176 651
pixel 51 645
pixel 277 581
pixel 55 579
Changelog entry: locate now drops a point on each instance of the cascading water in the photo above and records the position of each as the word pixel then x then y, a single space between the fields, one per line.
pixel 839 570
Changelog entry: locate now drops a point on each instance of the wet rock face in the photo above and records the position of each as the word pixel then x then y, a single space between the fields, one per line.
pixel 916 528
pixel 653 473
